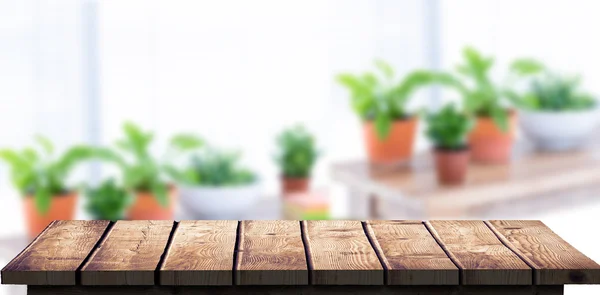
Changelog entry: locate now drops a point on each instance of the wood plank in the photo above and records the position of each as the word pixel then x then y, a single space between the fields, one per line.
pixel 55 255
pixel 476 250
pixel 271 253
pixel 201 253
pixel 305 290
pixel 101 290
pixel 410 254
pixel 555 262
pixel 129 255
pixel 339 253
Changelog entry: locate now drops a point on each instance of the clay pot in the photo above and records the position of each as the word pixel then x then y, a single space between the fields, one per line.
pixel 290 185
pixel 147 207
pixel 62 207
pixel 451 165
pixel 489 144
pixel 397 147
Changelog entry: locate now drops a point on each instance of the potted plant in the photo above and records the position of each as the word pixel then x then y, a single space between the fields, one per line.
pixel 296 157
pixel 41 178
pixel 448 129
pixel 214 186
pixel 380 100
pixel 108 201
pixel 555 113
pixel 147 177
pixel 492 138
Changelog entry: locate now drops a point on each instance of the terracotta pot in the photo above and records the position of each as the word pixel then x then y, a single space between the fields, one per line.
pixel 397 147
pixel 451 166
pixel 290 185
pixel 489 144
pixel 147 207
pixel 62 207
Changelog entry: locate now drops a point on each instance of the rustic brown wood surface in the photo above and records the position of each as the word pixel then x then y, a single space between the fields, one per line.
pixel 201 253
pixel 410 254
pixel 129 255
pixel 481 257
pixel 305 290
pixel 447 257
pixel 54 256
pixel 555 261
pixel 340 254
pixel 271 253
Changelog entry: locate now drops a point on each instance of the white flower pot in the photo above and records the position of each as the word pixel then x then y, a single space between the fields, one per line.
pixel 559 131
pixel 228 202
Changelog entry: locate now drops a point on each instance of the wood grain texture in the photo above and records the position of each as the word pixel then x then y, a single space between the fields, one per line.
pixel 305 290
pixel 129 255
pixel 340 254
pixel 555 262
pixel 55 255
pixel 101 290
pixel 271 253
pixel 410 254
pixel 476 250
pixel 201 253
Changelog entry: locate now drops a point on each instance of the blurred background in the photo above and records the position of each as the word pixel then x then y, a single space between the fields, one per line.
pixel 238 73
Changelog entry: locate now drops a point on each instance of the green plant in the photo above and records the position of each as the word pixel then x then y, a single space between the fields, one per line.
pixel 551 92
pixel 43 174
pixel 141 171
pixel 481 96
pixel 108 201
pixel 448 128
pixel 217 168
pixel 297 152
pixel 380 97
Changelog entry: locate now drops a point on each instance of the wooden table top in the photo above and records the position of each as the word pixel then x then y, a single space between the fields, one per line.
pixel 530 174
pixel 203 253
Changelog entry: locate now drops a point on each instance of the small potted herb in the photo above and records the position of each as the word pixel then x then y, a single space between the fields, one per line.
pixel 146 176
pixel 555 113
pixel 380 100
pixel 448 129
pixel 108 201
pixel 492 138
pixel 296 157
pixel 215 186
pixel 41 178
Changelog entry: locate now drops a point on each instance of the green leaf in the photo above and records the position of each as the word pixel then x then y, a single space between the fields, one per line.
pixel 179 175
pixel 72 157
pixel 213 167
pixel 362 92
pixel 500 117
pixel 385 68
pixel 108 155
pixel 370 81
pixel 45 143
pixel 43 199
pixel 31 155
pixel 527 101
pixel 136 140
pixel 383 125
pixel 186 142
pixel 448 128
pixel 13 159
pixel 107 201
pixel 160 192
pixel 524 67
pixel 297 152
pixel 558 93
pixel 22 168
